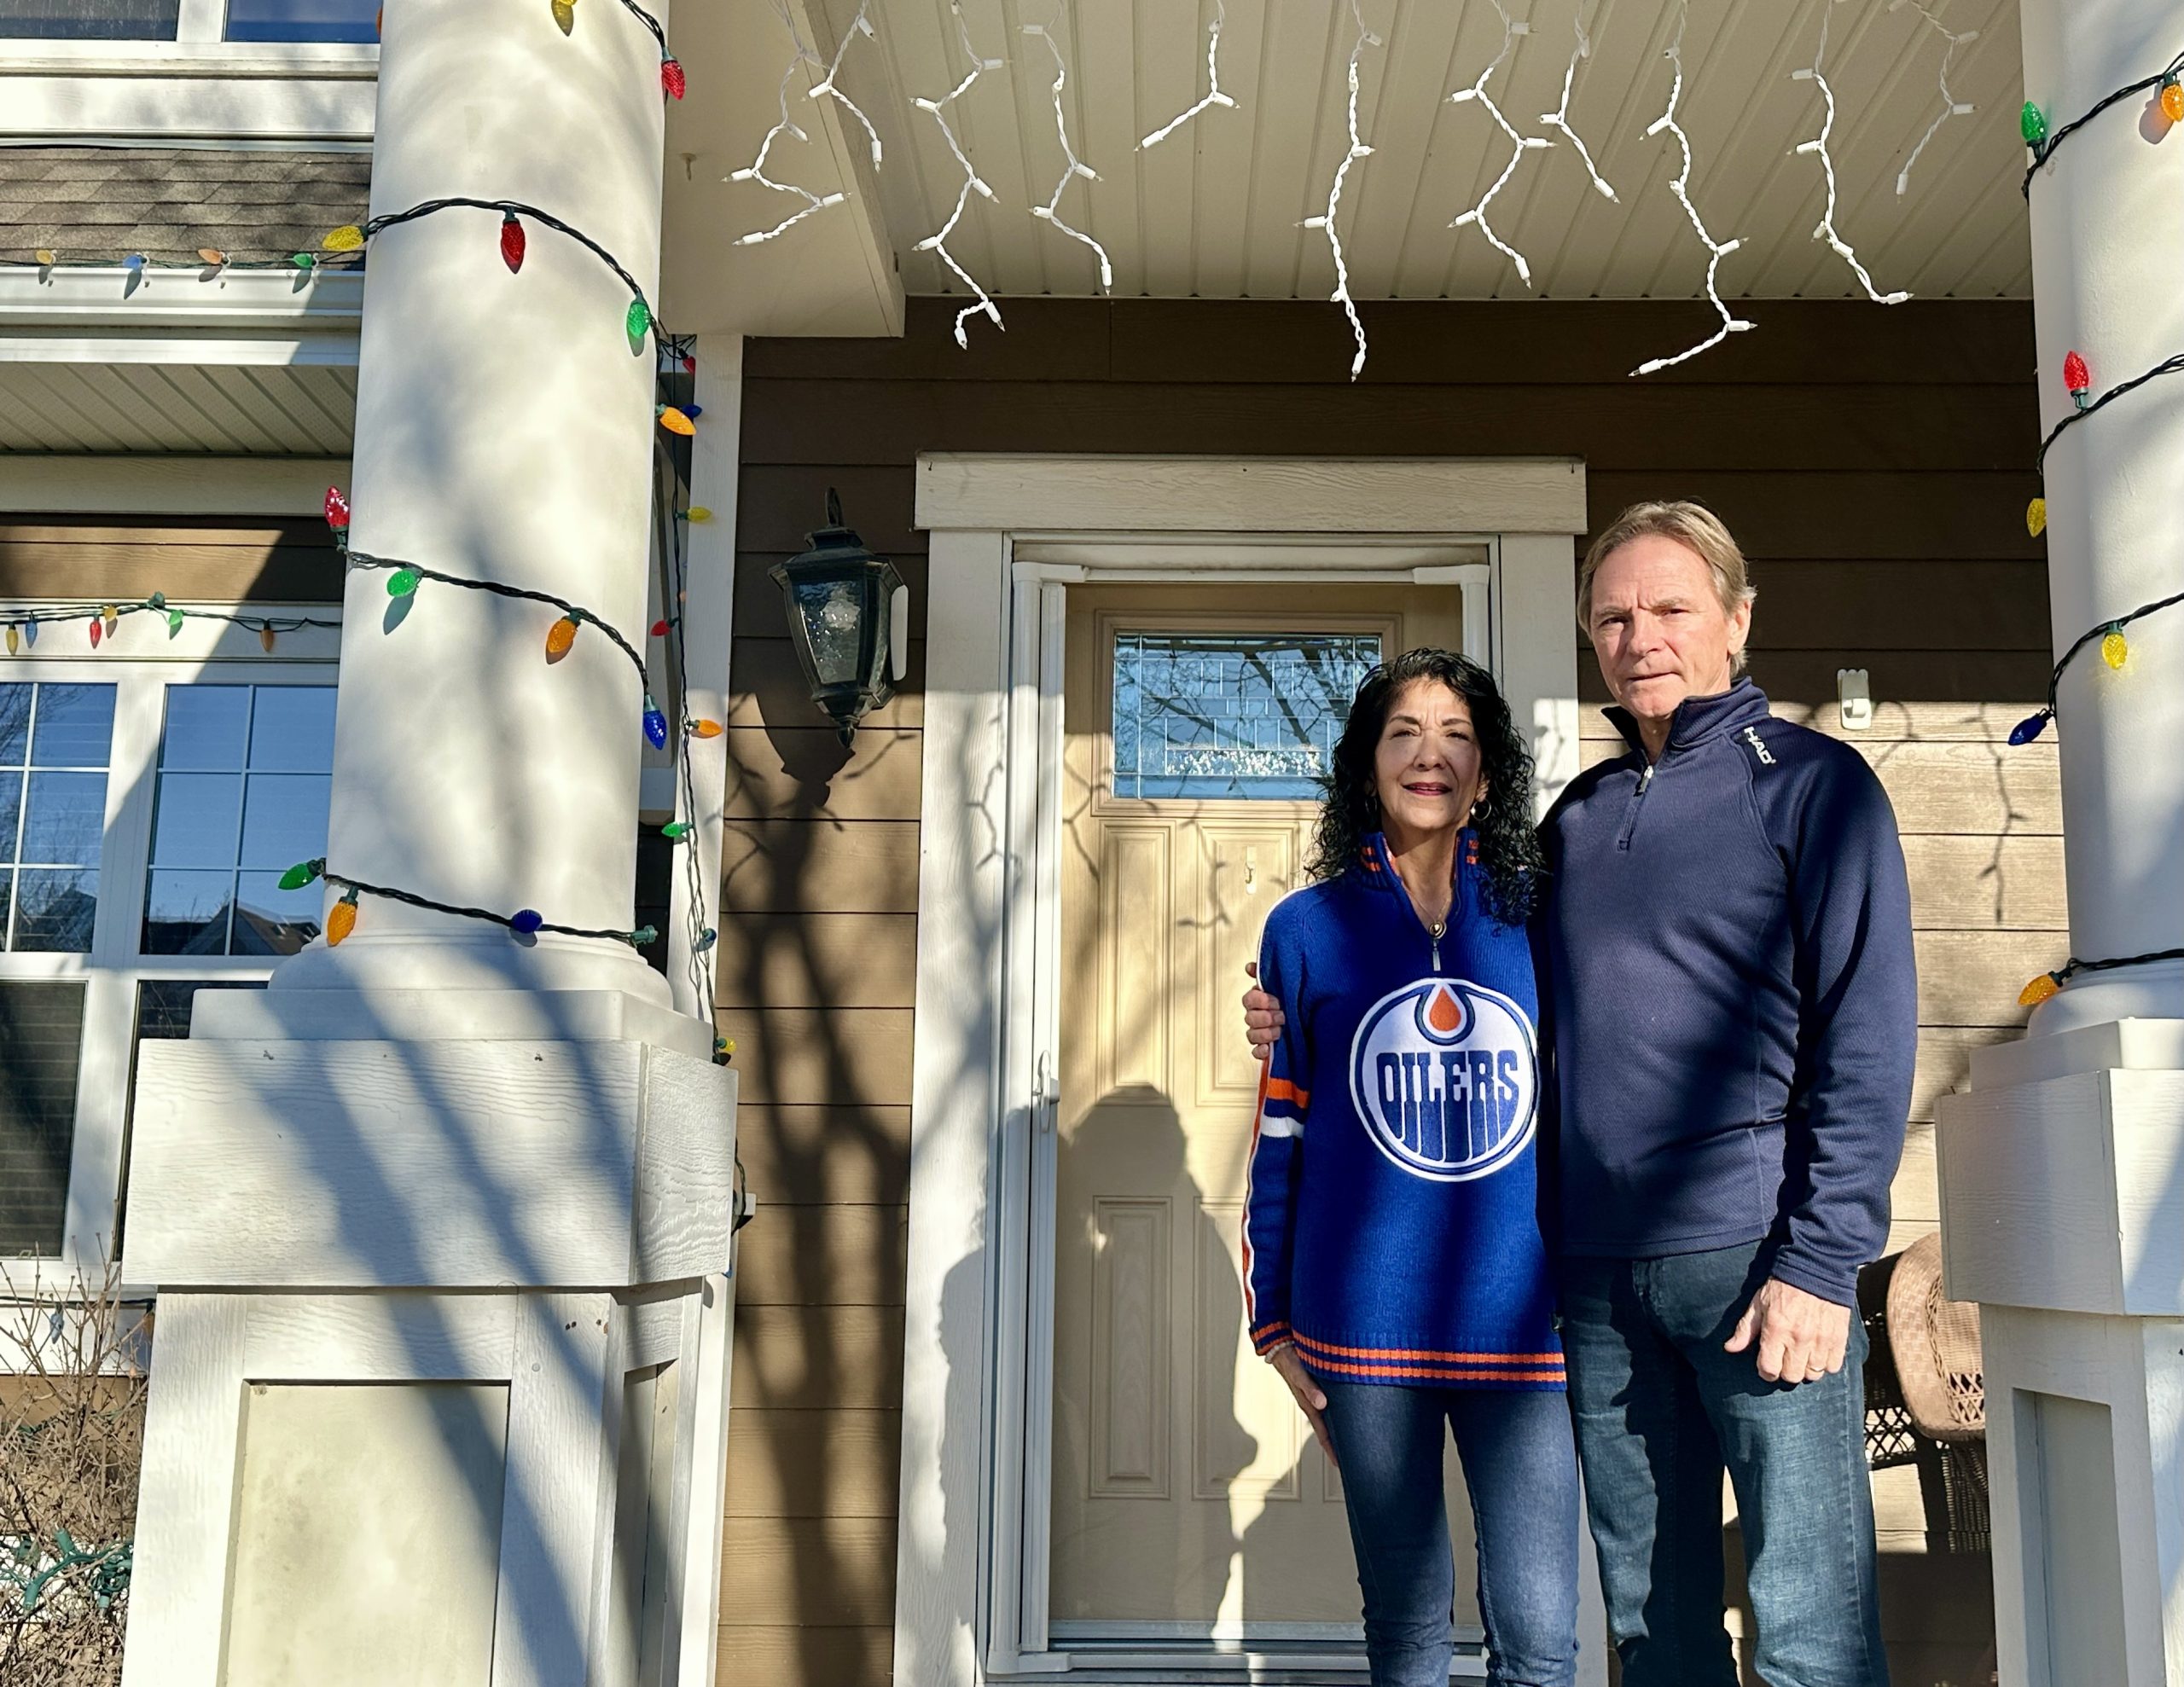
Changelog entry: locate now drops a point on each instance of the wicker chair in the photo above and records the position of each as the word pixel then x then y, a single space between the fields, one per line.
pixel 1925 1399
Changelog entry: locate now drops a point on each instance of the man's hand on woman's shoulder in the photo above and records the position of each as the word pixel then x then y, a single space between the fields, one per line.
pixel 1263 1019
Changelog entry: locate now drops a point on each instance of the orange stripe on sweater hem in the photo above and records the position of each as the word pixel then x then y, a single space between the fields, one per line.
pixel 1304 1341
pixel 1281 1089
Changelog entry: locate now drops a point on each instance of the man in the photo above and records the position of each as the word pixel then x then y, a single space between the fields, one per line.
pixel 1727 941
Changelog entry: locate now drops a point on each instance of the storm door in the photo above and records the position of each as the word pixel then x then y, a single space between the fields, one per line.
pixel 1191 1513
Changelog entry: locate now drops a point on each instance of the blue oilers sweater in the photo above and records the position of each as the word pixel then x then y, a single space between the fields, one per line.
pixel 1390 1229
pixel 1732 996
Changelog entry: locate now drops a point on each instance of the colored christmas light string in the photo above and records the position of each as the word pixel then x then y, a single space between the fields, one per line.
pixel 1074 167
pixel 1214 95
pixel 1558 119
pixel 1519 144
pixel 1680 187
pixel 1358 149
pixel 2047 984
pixel 1951 105
pixel 2033 122
pixel 353 237
pixel 404 577
pixel 524 922
pixel 2087 407
pixel 2115 650
pixel 755 171
pixel 102 619
pixel 937 243
pixel 1817 148
pixel 671 80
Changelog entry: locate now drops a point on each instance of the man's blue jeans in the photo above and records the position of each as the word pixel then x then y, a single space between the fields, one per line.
pixel 1522 1476
pixel 1661 1409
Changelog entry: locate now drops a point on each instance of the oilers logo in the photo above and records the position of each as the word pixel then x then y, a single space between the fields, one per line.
pixel 1445 1075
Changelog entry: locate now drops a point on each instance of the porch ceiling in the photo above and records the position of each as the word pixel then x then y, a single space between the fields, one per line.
pixel 263 410
pixel 1214 211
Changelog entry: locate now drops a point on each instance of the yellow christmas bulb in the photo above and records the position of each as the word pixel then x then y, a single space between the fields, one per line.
pixel 346 238
pixel 565 16
pixel 212 255
pixel 342 920
pixel 47 257
pixel 266 636
pixel 2039 990
pixel 14 638
pixel 2115 650
pixel 2036 517
pixel 700 513
pixel 559 637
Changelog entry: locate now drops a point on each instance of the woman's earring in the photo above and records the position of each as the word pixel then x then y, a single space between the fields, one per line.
pixel 1478 808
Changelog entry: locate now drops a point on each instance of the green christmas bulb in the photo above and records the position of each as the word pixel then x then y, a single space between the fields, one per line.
pixel 675 829
pixel 302 873
pixel 2032 124
pixel 639 319
pixel 402 582
pixel 174 622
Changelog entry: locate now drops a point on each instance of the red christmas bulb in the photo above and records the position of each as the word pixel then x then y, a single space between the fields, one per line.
pixel 659 629
pixel 95 632
pixel 337 509
pixel 2075 374
pixel 690 364
pixel 512 241
pixel 672 79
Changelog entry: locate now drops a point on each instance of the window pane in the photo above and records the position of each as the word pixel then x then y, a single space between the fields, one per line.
pixel 67 817
pixel 14 723
pixel 89 19
pixel 292 729
pixel 271 921
pixel 285 819
pixel 1219 716
pixel 74 726
pixel 198 820
pixel 41 1031
pixel 205 727
pixel 187 912
pixel 302 21
pixel 11 808
pixel 55 911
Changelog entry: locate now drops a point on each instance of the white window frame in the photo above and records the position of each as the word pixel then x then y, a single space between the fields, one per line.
pixel 139 662
pixel 1008 534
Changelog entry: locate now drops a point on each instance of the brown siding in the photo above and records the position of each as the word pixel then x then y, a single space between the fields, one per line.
pixel 1875 464
pixel 102 557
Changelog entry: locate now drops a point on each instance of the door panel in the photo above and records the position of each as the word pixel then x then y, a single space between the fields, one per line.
pixel 1188 1495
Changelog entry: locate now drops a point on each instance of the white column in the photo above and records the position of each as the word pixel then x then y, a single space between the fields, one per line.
pixel 2062 1168
pixel 504 433
pixel 2107 248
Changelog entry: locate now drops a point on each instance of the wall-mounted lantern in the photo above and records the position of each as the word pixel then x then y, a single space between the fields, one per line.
pixel 849 616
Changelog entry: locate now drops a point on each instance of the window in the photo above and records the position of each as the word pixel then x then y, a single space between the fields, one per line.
pixel 245 778
pixel 55 739
pixel 90 19
pixel 41 1027
pixel 1224 716
pixel 353 20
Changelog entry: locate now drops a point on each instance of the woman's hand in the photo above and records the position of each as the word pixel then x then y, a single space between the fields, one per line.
pixel 1309 1400
pixel 1262 1017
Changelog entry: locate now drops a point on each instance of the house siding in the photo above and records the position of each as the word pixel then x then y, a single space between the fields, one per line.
pixel 1874 463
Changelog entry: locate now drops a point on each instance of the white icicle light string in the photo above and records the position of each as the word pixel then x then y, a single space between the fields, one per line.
pixel 1558 119
pixel 1680 187
pixel 1074 167
pixel 1215 97
pixel 1327 221
pixel 1520 144
pixel 755 171
pixel 1817 148
pixel 829 86
pixel 1951 105
pixel 937 243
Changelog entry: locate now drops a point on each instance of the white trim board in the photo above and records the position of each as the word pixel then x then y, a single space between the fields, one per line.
pixel 993 603
pixel 167 485
pixel 85 295
pixel 1025 493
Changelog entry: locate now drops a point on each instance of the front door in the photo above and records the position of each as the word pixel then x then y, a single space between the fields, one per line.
pixel 1189 1501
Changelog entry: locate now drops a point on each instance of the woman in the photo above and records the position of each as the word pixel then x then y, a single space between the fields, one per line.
pixel 1394 1269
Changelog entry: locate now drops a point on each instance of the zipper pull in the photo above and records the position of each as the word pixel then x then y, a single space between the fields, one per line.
pixel 1646 777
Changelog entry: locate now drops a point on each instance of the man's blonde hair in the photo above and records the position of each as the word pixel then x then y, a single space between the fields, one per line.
pixel 1693 527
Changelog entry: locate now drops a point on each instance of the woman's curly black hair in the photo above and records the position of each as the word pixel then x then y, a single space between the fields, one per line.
pixel 1509 846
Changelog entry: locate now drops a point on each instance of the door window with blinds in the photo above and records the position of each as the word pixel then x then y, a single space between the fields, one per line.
pixel 147 811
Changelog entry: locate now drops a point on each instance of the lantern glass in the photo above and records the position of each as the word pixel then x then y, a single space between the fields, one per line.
pixel 835 619
pixel 837 598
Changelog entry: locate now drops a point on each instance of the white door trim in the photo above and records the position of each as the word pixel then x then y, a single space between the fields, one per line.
pixel 976 1119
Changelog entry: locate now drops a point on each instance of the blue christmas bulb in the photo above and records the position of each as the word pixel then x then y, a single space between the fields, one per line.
pixel 2029 728
pixel 525 922
pixel 655 724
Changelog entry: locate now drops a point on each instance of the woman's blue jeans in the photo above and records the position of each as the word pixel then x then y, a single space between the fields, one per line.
pixel 1521 1472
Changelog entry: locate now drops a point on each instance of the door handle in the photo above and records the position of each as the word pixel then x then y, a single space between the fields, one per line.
pixel 1046 1092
